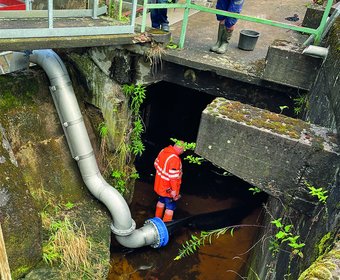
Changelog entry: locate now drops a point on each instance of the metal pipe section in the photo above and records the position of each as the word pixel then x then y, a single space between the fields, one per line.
pixel 154 232
pixel 329 24
pixel 316 51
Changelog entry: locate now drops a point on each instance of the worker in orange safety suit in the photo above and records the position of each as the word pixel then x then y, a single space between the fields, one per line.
pixel 168 180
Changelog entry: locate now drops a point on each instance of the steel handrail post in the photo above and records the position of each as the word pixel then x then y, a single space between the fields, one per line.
pixel 28 5
pixel 323 22
pixel 184 23
pixel 110 8
pixel 50 14
pixel 94 9
pixel 145 9
pixel 120 9
pixel 133 14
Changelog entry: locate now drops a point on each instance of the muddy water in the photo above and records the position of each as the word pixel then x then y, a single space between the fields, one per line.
pixel 223 259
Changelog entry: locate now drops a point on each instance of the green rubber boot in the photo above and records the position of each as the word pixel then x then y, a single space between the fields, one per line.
pixel 226 35
pixel 218 42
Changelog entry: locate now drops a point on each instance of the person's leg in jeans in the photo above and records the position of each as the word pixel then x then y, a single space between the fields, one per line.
pixel 163 16
pixel 154 14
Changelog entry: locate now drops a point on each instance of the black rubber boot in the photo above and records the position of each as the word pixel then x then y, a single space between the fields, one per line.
pixel 219 35
pixel 225 41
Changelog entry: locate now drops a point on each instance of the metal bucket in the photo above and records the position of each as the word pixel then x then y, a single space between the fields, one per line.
pixel 248 39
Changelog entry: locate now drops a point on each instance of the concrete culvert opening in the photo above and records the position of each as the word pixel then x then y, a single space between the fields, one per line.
pixel 168 112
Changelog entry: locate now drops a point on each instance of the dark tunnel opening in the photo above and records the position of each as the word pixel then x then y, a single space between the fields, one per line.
pixel 173 111
pixel 211 199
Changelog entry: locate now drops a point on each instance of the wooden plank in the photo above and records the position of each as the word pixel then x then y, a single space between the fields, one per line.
pixel 5 271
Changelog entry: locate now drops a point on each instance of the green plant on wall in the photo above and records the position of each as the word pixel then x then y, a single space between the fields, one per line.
pixel 319 193
pixel 194 160
pixel 103 133
pixel 137 146
pixel 255 190
pixel 282 108
pixel 131 144
pixel 189 147
pixel 66 244
pixel 120 179
pixel 285 236
pixel 137 95
pixel 103 130
pixel 300 103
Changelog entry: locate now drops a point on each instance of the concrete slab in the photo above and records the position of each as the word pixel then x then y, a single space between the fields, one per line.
pixel 273 152
pixel 243 65
pixel 285 64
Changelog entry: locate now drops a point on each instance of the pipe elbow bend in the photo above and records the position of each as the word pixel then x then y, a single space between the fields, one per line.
pixel 153 233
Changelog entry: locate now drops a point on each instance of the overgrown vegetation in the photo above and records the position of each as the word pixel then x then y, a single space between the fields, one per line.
pixel 66 244
pixel 154 56
pixel 300 103
pixel 130 144
pixel 282 234
pixel 285 236
pixel 192 245
pixel 188 147
pixel 120 179
pixel 205 237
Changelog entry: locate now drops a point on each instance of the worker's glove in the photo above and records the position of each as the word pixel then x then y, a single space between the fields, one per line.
pixel 173 194
pixel 177 197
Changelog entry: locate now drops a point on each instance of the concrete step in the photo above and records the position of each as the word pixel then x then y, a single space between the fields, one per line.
pixel 273 152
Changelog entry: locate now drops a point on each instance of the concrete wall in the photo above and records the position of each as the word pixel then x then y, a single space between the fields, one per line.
pixel 236 142
pixel 276 153
pixel 324 99
pixel 38 177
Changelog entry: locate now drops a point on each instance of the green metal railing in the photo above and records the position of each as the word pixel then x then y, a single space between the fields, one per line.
pixel 50 30
pixel 188 5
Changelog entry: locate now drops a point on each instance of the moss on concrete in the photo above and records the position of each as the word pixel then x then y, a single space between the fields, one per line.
pixel 324 244
pixel 18 92
pixel 326 267
pixel 20 271
pixel 253 116
pixel 263 119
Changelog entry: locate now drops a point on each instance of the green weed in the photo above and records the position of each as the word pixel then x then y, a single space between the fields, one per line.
pixel 319 193
pixel 255 190
pixel 284 235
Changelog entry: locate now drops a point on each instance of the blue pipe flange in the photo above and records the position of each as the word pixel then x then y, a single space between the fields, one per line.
pixel 163 235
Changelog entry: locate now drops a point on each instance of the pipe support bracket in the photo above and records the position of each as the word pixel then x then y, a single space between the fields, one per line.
pixel 124 232
pixel 78 158
pixel 69 123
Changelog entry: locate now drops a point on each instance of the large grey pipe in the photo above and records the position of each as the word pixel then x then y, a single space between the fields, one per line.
pixel 154 232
